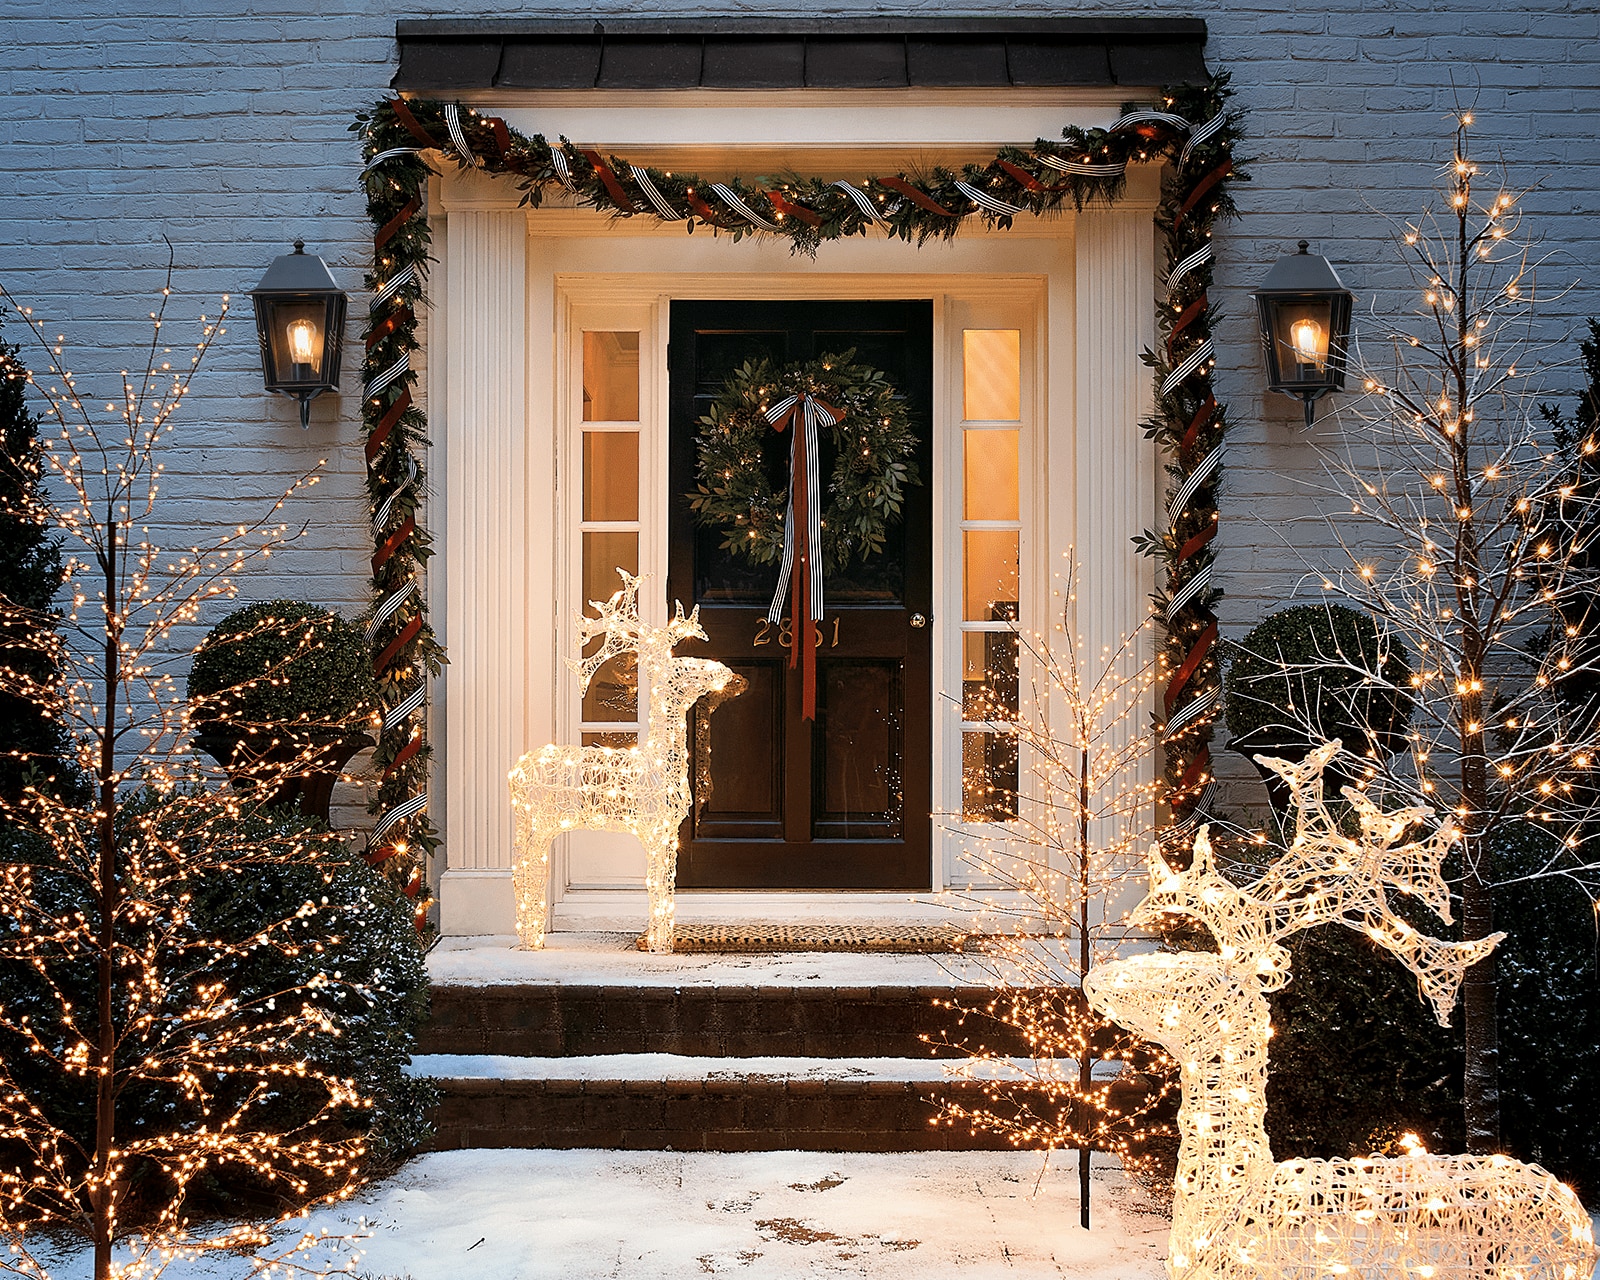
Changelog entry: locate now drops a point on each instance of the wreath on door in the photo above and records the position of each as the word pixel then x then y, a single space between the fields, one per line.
pixel 753 419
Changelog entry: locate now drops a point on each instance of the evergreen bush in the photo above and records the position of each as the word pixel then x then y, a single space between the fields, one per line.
pixel 282 662
pixel 1549 983
pixel 1306 674
pixel 358 959
pixel 31 742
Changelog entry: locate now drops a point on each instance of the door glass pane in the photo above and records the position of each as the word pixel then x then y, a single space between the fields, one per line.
pixel 603 555
pixel 988 777
pixel 989 675
pixel 610 475
pixel 619 741
pixel 613 693
pixel 992 476
pixel 989 574
pixel 610 377
pixel 991 375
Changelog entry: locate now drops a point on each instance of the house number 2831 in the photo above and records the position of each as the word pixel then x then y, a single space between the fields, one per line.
pixel 784 632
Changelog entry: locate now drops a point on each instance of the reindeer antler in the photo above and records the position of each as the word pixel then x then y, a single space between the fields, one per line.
pixel 618 621
pixel 623 629
pixel 1324 877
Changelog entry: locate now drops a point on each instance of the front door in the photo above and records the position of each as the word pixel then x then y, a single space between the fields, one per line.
pixel 781 802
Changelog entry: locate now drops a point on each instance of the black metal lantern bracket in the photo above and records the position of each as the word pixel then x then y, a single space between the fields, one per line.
pixel 300 315
pixel 1304 310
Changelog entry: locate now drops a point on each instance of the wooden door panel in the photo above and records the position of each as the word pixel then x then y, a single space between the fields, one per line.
pixel 782 802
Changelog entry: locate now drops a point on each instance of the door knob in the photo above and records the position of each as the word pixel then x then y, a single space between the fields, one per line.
pixel 918 621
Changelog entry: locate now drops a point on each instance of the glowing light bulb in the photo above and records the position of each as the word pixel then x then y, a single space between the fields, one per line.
pixel 302 341
pixel 1309 343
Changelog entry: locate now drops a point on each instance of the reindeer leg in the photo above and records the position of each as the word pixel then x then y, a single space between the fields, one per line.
pixel 661 879
pixel 530 880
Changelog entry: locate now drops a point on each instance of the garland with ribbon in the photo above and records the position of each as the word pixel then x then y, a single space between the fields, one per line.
pixel 1194 131
pixel 874 446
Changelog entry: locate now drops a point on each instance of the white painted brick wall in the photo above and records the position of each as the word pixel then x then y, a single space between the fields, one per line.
pixel 222 125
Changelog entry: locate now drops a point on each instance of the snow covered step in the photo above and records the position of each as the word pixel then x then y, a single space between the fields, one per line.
pixel 684 1103
pixel 560 1019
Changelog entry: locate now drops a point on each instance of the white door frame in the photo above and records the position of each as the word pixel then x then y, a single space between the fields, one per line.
pixel 503 297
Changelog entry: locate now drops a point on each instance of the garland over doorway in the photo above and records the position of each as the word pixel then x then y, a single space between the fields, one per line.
pixel 1194 132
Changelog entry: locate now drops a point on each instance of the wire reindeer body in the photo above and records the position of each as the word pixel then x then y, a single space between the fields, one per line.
pixel 641 790
pixel 1237 1213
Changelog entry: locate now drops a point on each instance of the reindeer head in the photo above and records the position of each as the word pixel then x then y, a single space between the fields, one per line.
pixel 1324 877
pixel 680 680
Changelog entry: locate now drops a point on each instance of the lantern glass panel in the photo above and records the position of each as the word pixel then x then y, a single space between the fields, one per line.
pixel 298 332
pixel 1302 329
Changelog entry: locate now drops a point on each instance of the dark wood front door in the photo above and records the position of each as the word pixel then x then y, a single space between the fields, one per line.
pixel 841 802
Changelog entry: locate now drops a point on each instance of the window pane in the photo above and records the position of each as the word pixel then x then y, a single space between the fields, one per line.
pixel 620 741
pixel 989 675
pixel 988 777
pixel 992 375
pixel 610 475
pixel 613 694
pixel 989 573
pixel 992 476
pixel 610 377
pixel 603 555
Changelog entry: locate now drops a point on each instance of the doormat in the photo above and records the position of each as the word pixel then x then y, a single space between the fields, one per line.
pixel 746 939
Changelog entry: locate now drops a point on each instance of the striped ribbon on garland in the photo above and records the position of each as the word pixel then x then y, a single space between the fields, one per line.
pixel 1195 132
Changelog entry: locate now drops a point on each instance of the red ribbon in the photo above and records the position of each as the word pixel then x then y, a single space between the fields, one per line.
pixel 792 210
pixel 801 624
pixel 919 198
pixel 610 179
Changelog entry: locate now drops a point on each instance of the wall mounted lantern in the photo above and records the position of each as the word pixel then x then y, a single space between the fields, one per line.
pixel 300 321
pixel 1305 325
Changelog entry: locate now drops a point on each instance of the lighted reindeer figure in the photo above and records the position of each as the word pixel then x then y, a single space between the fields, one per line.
pixel 1236 1213
pixel 642 790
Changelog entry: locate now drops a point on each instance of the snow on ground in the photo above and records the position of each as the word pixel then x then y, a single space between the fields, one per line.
pixel 781 1215
pixel 598 959
pixel 674 1066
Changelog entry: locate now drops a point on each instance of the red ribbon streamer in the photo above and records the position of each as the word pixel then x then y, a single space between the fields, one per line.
pixel 1200 188
pixel 801 623
pixel 391 228
pixel 1202 415
pixel 388 325
pixel 391 544
pixel 1191 664
pixel 391 651
pixel 401 756
pixel 402 113
pixel 1185 318
pixel 706 212
pixel 916 197
pixel 1192 775
pixel 386 424
pixel 791 210
pixel 1024 179
pixel 1199 540
pixel 610 180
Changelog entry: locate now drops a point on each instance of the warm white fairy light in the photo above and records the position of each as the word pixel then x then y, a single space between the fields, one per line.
pixel 642 790
pixel 1237 1215
pixel 133 851
pixel 1087 806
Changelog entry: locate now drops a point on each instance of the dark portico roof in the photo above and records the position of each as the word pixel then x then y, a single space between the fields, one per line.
pixel 754 53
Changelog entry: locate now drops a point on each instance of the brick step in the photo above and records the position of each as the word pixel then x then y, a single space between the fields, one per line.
pixel 732 1105
pixel 561 1020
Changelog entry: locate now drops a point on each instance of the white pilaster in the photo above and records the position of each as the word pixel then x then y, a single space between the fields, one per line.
pixel 1116 466
pixel 482 436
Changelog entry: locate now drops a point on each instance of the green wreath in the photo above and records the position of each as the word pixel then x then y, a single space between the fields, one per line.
pixel 874 448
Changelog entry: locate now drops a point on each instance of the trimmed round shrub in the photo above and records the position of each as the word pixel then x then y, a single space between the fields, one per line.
pixel 282 662
pixel 1317 672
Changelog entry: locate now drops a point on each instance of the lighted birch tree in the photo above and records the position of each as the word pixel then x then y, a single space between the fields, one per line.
pixel 142 1060
pixel 1071 864
pixel 1465 535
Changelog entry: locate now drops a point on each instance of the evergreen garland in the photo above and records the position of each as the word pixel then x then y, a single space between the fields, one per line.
pixel 1194 131
pixel 874 444
pixel 32 744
